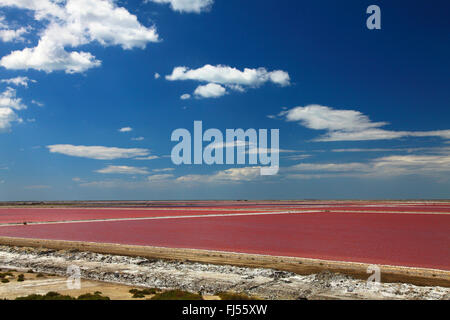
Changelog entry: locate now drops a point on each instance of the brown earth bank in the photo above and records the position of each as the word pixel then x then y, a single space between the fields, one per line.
pixel 301 266
pixel 143 270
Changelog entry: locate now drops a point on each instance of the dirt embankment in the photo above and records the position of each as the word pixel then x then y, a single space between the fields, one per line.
pixel 301 266
pixel 208 278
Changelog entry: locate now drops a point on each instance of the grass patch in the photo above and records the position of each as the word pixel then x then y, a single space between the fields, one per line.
pixel 176 295
pixel 40 275
pixel 234 296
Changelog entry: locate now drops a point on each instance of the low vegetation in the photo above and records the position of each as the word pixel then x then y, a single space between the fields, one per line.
pixel 144 292
pixel 57 296
pixel 49 296
pixel 4 277
pixel 95 296
pixel 6 274
pixel 234 296
pixel 176 295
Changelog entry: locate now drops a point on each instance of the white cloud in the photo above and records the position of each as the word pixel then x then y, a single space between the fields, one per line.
pixel 7 116
pixel 297 157
pixel 18 81
pixel 185 96
pixel 39 104
pixel 8 99
pixel 324 118
pixel 333 167
pixel 226 75
pixel 367 150
pixel 138 139
pixel 157 75
pixel 163 170
pixel 211 90
pixel 126 129
pixel 160 177
pixel 123 170
pixel 146 158
pixel 349 125
pixel 235 175
pixel 437 165
pixel 195 6
pixel 10 35
pixel 75 23
pixel 98 152
pixel 413 164
pixel 8 103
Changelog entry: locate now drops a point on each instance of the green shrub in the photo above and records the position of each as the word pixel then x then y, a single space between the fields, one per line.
pixel 176 295
pixel 90 296
pixel 6 274
pixel 5 280
pixel 57 296
pixel 20 278
pixel 49 296
pixel 233 296
pixel 142 293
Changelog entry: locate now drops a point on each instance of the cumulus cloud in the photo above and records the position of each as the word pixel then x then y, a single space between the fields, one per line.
pixel 157 75
pixel 185 96
pixel 195 6
pixel 226 75
pixel 220 77
pixel 8 104
pixel 126 129
pixel 18 81
pixel 349 125
pixel 98 152
pixel 74 23
pixel 123 170
pixel 11 35
pixel 211 90
pixel 7 116
pixel 8 99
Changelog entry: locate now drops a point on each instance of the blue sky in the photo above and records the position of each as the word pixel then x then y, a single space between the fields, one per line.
pixel 362 113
